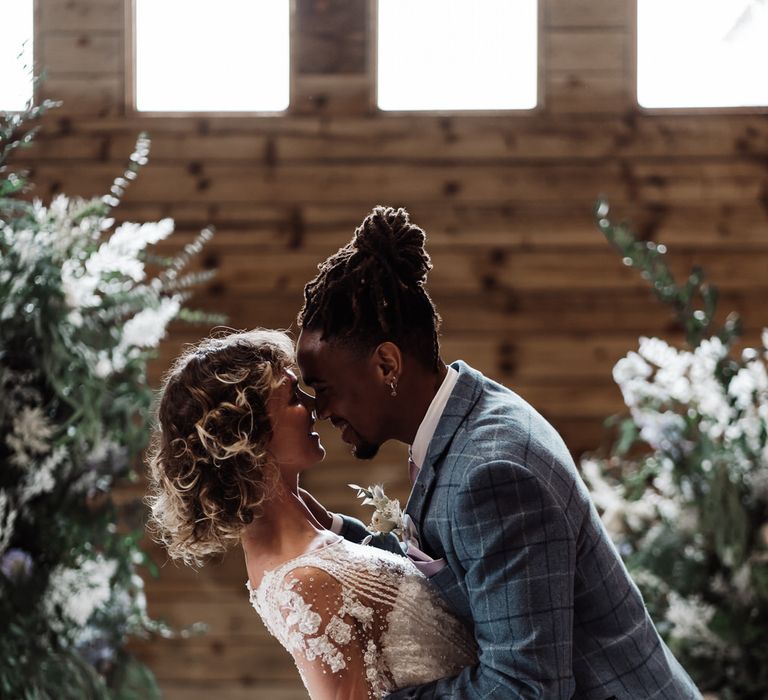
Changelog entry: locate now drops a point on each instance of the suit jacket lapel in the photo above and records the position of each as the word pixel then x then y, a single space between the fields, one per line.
pixel 462 400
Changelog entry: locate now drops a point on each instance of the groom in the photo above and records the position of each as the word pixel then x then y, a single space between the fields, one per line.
pixel 500 510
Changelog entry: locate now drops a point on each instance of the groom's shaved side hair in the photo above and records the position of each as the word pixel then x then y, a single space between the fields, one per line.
pixel 372 290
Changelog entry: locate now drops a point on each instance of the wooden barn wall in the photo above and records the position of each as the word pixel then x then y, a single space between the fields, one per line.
pixel 529 291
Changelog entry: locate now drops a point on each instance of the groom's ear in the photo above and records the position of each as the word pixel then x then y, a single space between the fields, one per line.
pixel 388 360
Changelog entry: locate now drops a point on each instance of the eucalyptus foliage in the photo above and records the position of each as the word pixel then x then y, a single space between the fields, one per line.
pixel 684 489
pixel 80 316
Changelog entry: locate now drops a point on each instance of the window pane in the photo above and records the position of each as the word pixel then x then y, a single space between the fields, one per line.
pixel 702 53
pixel 198 55
pixel 16 73
pixel 457 54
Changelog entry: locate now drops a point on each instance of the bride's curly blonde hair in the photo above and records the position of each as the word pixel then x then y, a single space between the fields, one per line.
pixel 209 469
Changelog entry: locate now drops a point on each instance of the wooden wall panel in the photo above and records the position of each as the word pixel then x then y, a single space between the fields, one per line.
pixel 569 93
pixel 529 291
pixel 100 94
pixel 82 53
pixel 602 50
pixel 82 15
pixel 321 25
pixel 491 139
pixel 605 14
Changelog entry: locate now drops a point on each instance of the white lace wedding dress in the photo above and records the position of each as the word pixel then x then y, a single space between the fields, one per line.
pixel 360 622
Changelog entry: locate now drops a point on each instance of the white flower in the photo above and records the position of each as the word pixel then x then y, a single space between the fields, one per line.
pixel 79 592
pixel 384 522
pixel 136 237
pixel 742 583
pixel 662 431
pixel 75 318
pixel 749 381
pixel 709 396
pixel 29 247
pixel 79 286
pixel 40 478
pixel 641 512
pixel 673 379
pixel 147 328
pixel 83 280
pixel 631 367
pixel 103 367
pixel 120 253
pixel 665 484
pixel 139 596
pixel 58 208
pixel 387 516
pixel 31 435
pixel 750 426
pixel 657 351
pixel 631 374
pixel 608 499
pixel 667 508
pixel 647 579
pixel 690 618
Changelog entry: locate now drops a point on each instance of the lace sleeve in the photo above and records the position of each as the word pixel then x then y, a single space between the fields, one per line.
pixel 332 636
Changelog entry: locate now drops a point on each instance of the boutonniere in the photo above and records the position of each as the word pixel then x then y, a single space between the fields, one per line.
pixel 387 515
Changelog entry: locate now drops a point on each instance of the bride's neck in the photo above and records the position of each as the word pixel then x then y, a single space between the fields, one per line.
pixel 285 529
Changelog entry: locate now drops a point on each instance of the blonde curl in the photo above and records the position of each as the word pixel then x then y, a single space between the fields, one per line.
pixel 209 468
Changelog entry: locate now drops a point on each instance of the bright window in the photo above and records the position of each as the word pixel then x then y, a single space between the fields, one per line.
pixel 457 54
pixel 203 56
pixel 16 67
pixel 702 53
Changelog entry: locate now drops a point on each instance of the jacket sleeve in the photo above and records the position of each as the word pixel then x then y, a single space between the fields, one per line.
pixel 353 530
pixel 518 555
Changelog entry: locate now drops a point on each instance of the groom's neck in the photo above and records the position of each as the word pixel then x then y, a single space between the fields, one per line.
pixel 414 400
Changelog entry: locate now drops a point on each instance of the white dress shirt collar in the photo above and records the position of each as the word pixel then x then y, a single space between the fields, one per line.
pixel 418 450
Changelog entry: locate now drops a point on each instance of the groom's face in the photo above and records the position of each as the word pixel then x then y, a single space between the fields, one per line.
pixel 345 386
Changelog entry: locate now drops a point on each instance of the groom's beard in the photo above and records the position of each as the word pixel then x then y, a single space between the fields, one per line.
pixel 365 450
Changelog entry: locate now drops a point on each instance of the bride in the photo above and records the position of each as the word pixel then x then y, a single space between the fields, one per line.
pixel 234 435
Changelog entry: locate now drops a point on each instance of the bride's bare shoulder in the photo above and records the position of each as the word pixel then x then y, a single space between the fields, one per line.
pixel 261 562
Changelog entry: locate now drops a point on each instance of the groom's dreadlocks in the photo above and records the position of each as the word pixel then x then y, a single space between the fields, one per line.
pixel 372 290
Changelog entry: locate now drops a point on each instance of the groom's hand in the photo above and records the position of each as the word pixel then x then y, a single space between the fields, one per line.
pixel 317 509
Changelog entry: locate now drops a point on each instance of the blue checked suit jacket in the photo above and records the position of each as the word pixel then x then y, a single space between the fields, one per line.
pixel 530 568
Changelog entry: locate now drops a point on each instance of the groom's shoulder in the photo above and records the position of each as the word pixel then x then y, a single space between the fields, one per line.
pixel 492 404
pixel 502 423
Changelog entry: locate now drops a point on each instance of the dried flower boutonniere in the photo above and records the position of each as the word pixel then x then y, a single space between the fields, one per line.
pixel 387 515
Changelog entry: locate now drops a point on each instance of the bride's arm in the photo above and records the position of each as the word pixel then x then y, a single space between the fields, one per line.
pixel 327 643
pixel 350 528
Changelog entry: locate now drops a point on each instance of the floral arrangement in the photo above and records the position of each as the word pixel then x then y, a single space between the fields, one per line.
pixel 80 315
pixel 387 515
pixel 684 488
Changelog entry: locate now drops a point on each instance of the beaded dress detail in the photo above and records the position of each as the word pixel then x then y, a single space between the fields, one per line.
pixel 361 622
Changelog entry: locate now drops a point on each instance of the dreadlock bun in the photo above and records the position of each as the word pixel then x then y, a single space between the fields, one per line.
pixel 372 290
pixel 388 236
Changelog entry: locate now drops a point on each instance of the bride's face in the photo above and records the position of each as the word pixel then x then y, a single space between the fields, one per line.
pixel 294 445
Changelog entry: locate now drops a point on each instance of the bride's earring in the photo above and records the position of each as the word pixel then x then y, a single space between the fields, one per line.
pixel 393 387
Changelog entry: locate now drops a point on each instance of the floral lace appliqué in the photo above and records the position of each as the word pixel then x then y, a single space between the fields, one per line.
pixel 370 606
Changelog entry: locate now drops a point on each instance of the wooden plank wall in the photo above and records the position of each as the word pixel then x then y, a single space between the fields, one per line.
pixel 529 291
